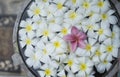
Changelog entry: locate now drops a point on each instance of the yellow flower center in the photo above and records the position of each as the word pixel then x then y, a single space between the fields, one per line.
pixel 44 51
pixel 98 53
pixel 113 35
pixel 88 47
pixel 73 1
pixel 44 0
pixel 35 57
pixel 57 44
pixel 100 4
pixel 47 72
pixel 37 11
pixel 90 27
pixel 105 61
pixel 52 21
pixel 104 16
pixel 28 28
pixel 86 5
pixel 109 48
pixel 28 41
pixel 100 31
pixel 59 6
pixel 38 22
pixel 83 67
pixel 70 63
pixel 64 31
pixel 63 76
pixel 72 15
pixel 46 33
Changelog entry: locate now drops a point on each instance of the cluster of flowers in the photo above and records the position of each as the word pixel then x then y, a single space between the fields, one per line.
pixel 46 51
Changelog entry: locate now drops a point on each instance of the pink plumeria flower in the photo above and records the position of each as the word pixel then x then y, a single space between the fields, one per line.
pixel 76 38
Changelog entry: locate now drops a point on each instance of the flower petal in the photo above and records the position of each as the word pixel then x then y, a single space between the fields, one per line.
pixel 73 46
pixel 74 30
pixel 82 44
pixel 68 37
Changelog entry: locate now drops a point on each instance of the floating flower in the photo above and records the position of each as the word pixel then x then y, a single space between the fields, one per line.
pixel 92 16
pixel 110 49
pixel 100 5
pixel 71 62
pixel 45 32
pixel 27 28
pixel 47 71
pixel 64 29
pixel 38 22
pixel 98 54
pixel 44 50
pixel 36 10
pixel 55 23
pixel 73 3
pixel 103 32
pixel 33 58
pixel 59 49
pixel 59 7
pixel 76 38
pixel 84 67
pixel 115 36
pixel 72 17
pixel 27 41
pixel 86 5
pixel 108 18
pixel 105 64
pixel 89 27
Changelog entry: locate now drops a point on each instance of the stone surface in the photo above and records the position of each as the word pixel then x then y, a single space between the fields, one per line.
pixel 10 6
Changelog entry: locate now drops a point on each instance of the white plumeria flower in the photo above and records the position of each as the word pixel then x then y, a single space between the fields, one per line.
pixel 98 54
pixel 27 28
pixel 27 41
pixel 47 71
pixel 44 50
pixel 45 32
pixel 54 20
pixel 36 10
pixel 108 18
pixel 100 5
pixel 71 62
pixel 105 64
pixel 92 16
pixel 33 58
pixel 50 11
pixel 116 36
pixel 86 5
pixel 110 49
pixel 65 29
pixel 85 67
pixel 72 17
pixel 89 49
pixel 73 3
pixel 38 21
pixel 59 7
pixel 103 32
pixel 89 27
pixel 59 47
